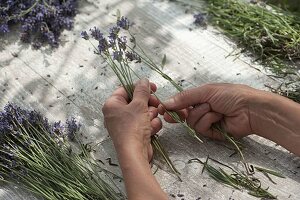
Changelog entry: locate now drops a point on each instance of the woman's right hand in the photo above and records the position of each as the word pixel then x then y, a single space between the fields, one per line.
pixel 229 104
pixel 241 110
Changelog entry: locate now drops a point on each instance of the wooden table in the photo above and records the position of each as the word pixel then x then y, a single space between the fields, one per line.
pixel 72 81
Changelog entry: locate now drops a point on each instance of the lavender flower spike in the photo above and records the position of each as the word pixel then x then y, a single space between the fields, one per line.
pixel 200 19
pixel 72 128
pixel 123 23
pixel 96 34
pixel 85 35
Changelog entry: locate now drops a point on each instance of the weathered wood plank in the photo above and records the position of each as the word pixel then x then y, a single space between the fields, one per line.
pixel 68 82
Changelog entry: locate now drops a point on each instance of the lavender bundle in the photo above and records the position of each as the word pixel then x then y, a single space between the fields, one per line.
pixel 37 156
pixel 119 55
pixel 40 21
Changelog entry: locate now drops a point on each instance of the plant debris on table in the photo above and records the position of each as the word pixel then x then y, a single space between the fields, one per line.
pixel 36 155
pixel 238 180
pixel 39 21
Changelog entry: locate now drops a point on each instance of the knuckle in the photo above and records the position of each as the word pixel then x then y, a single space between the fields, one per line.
pixel 143 91
pixel 181 96
pixel 137 103
pixel 108 105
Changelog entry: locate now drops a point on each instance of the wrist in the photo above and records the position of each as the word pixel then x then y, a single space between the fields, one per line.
pixel 260 104
pixel 131 152
pixel 276 118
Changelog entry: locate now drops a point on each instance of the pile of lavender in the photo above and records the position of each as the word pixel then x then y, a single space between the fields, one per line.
pixel 38 156
pixel 39 21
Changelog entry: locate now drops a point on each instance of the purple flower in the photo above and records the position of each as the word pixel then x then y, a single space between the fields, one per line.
pixel 58 128
pixel 118 55
pixel 123 23
pixel 72 128
pixel 103 45
pixel 85 35
pixel 113 33
pixel 55 16
pixel 200 19
pixel 4 28
pixel 96 34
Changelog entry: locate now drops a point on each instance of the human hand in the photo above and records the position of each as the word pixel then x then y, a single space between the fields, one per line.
pixel 203 106
pixel 131 124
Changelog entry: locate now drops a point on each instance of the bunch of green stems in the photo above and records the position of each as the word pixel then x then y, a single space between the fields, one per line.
pixel 125 73
pixel 46 165
pixel 158 69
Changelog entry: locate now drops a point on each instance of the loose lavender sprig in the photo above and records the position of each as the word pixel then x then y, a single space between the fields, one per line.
pixel 40 21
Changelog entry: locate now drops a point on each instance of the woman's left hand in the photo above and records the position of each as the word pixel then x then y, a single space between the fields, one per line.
pixel 131 124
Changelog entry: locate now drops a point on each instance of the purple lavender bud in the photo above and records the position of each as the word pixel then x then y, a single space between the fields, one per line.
pixel 113 33
pixel 85 35
pixel 96 34
pixel 58 128
pixel 4 28
pixel 72 128
pixel 103 45
pixel 123 23
pixel 200 19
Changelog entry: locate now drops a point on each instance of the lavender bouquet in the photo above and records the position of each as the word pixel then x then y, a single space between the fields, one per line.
pixel 37 156
pixel 120 55
pixel 41 21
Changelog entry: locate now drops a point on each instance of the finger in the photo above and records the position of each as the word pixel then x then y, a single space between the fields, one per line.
pixel 153 101
pixel 153 112
pixel 161 109
pixel 182 114
pixel 205 123
pixel 153 87
pixel 191 97
pixel 142 91
pixel 197 113
pixel 214 134
pixel 156 125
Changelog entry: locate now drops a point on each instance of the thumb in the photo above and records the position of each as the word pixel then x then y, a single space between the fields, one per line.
pixel 187 98
pixel 142 91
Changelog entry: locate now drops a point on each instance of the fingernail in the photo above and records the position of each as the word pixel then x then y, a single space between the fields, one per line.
pixel 204 106
pixel 144 81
